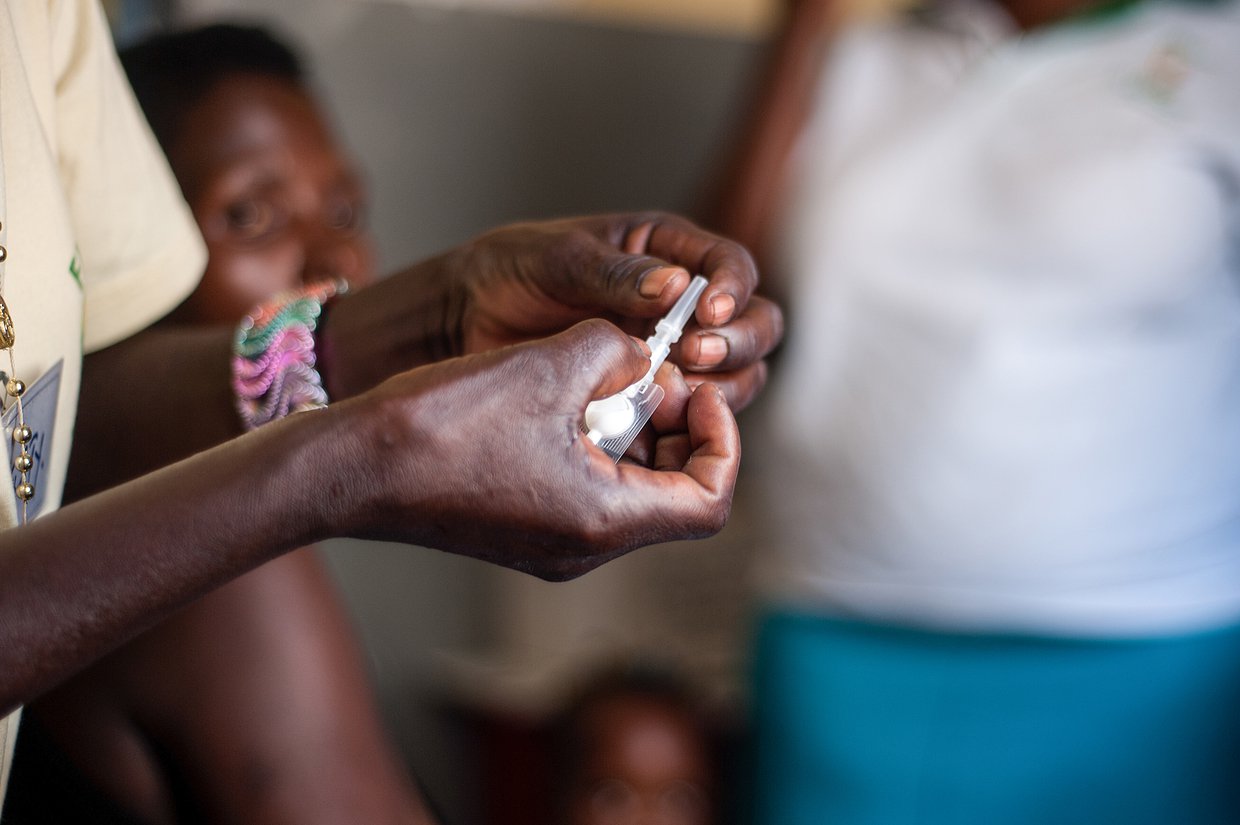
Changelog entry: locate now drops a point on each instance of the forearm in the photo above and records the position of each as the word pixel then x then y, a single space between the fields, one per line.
pixel 407 320
pixel 781 101
pixel 166 393
pixel 79 581
pixel 148 401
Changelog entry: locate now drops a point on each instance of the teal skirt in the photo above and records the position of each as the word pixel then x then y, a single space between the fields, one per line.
pixel 859 724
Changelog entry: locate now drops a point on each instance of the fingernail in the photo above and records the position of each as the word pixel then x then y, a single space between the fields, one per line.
pixel 712 349
pixel 721 308
pixel 654 282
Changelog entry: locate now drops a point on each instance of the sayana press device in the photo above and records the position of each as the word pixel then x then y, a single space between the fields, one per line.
pixel 613 422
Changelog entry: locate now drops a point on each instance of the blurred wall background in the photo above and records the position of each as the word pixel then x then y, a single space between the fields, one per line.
pixel 470 113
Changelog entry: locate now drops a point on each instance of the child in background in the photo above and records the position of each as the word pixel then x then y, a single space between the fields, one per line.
pixel 632 749
pixel 251 705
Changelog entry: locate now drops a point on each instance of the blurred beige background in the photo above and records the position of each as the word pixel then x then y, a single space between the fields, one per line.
pixel 729 17
pixel 743 16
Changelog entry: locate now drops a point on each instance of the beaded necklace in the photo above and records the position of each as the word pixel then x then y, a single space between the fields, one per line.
pixel 14 389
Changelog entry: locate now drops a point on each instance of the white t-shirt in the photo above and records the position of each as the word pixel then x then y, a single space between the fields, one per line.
pixel 1010 396
pixel 100 243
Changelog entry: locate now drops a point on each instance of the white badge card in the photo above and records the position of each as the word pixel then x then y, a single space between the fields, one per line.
pixel 39 410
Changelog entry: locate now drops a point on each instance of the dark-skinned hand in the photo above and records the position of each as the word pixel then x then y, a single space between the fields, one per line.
pixel 483 456
pixel 529 280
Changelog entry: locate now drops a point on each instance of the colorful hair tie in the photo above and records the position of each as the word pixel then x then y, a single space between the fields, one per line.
pixel 273 355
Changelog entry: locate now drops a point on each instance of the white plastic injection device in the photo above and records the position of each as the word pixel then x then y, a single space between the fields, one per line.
pixel 613 422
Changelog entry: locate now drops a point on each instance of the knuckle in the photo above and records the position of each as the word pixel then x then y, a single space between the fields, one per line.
pixel 599 328
pixel 597 340
pixel 619 270
pixel 656 217
pixel 579 238
pixel 775 320
pixel 748 266
pixel 752 343
pixel 725 252
pixel 574 249
pixel 594 535
pixel 600 530
pixel 534 359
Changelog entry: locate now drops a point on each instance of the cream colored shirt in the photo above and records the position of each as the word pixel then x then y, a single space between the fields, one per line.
pixel 100 243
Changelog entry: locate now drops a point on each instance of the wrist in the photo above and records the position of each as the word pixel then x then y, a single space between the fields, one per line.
pixel 382 460
pixel 408 319
pixel 321 454
pixel 299 477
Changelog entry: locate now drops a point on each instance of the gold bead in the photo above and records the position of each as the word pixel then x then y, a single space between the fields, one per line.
pixel 23 434
pixel 25 491
pixel 16 387
pixel 23 463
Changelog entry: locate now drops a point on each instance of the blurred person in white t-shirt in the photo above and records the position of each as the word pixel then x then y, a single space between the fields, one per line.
pixel 1001 459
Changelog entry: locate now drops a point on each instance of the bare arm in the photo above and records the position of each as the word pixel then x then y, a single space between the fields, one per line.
pixel 756 174
pixel 164 394
pixel 532 279
pixel 252 705
pixel 149 401
pixel 479 455
pixel 78 582
pixel 443 456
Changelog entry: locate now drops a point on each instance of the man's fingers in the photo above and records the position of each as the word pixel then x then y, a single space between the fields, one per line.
pixel 646 261
pixel 740 343
pixel 694 498
pixel 597 359
pixel 672 452
pixel 727 265
pixel 629 283
pixel 739 387
pixel 669 416
pixel 716 441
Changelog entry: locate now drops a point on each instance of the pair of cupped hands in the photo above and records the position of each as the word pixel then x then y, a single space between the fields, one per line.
pixel 481 453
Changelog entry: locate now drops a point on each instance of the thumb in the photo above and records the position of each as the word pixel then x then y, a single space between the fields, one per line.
pixel 624 282
pixel 598 359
